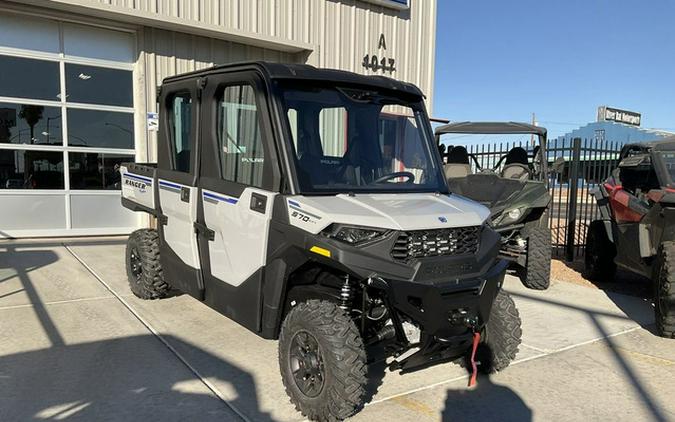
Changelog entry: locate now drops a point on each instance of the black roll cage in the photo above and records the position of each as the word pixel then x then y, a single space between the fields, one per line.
pixel 499 128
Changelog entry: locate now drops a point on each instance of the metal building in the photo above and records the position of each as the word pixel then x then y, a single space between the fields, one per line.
pixel 79 81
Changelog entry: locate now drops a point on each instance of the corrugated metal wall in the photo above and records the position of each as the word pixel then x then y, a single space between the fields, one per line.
pixel 167 53
pixel 342 31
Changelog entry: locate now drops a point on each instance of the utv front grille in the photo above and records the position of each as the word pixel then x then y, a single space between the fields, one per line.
pixel 439 242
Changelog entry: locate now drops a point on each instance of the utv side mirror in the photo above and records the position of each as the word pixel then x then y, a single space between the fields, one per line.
pixel 557 165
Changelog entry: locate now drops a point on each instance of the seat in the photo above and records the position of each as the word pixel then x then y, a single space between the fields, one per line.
pixel 515 166
pixel 458 163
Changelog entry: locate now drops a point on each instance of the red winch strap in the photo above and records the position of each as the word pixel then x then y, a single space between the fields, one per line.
pixel 474 367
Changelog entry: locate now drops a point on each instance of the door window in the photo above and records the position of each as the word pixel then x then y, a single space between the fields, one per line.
pixel 180 130
pixel 240 148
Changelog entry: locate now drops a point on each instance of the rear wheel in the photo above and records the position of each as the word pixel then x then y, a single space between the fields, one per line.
pixel 600 252
pixel 323 361
pixel 143 268
pixel 501 337
pixel 664 291
pixel 537 271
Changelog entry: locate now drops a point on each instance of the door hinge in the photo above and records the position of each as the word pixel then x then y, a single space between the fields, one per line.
pixel 202 230
pixel 162 219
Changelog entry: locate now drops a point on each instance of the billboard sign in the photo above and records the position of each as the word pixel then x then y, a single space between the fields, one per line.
pixel 609 114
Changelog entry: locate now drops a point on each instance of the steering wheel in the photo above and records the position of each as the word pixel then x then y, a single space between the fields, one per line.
pixel 406 174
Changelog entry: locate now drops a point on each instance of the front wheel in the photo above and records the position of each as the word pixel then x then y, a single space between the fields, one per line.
pixel 323 361
pixel 537 271
pixel 664 291
pixel 501 336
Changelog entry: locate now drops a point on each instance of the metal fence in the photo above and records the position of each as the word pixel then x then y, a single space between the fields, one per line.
pixel 588 162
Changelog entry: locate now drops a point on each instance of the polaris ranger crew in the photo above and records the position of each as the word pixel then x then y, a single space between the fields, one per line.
pixel 310 206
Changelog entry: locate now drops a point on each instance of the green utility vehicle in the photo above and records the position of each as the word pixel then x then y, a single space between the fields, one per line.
pixel 514 189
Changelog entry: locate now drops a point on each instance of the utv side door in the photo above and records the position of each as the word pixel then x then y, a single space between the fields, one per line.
pixel 177 193
pixel 239 179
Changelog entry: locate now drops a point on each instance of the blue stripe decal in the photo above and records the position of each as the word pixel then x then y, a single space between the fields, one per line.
pixel 139 178
pixel 169 185
pixel 294 203
pixel 220 198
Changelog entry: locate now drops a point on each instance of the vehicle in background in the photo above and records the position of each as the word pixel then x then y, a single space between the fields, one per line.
pixel 514 188
pixel 636 229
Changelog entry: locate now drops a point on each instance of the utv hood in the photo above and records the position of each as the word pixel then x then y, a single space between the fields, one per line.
pixel 498 193
pixel 405 211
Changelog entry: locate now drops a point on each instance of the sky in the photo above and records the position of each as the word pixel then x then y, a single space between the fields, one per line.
pixel 504 60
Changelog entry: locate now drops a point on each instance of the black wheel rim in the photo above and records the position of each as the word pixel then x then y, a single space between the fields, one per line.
pixel 307 364
pixel 135 264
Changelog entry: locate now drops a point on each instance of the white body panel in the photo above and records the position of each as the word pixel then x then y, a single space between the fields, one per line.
pixel 138 188
pixel 405 211
pixel 179 232
pixel 239 248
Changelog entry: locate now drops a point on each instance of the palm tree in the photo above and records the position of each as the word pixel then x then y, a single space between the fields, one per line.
pixel 32 114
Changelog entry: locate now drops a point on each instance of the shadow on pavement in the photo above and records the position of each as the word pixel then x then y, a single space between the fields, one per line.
pixel 638 311
pixel 131 378
pixel 622 290
pixel 485 402
pixel 22 262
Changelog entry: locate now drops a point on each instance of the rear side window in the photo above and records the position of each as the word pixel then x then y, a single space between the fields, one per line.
pixel 240 147
pixel 180 130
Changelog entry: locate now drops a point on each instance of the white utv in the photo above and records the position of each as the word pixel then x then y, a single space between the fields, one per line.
pixel 310 206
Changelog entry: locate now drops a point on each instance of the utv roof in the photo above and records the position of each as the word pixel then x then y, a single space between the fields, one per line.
pixel 660 145
pixel 304 72
pixel 491 128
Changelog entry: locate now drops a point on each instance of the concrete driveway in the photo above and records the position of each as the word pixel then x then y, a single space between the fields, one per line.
pixel 75 344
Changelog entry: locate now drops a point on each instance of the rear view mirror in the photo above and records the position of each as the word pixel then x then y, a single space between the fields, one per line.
pixel 557 165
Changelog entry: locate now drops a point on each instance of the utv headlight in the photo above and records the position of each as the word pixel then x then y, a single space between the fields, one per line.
pixel 354 234
pixel 509 217
pixel 515 214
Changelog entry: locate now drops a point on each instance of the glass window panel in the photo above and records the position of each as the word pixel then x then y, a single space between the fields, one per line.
pixel 30 124
pixel 241 151
pixel 98 43
pixel 28 33
pixel 96 170
pixel 29 78
pixel 102 129
pixel 181 126
pixel 96 210
pixel 20 169
pixel 98 85
pixel 333 131
pixel 32 212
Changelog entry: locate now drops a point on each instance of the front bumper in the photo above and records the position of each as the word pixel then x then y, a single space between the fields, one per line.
pixel 447 313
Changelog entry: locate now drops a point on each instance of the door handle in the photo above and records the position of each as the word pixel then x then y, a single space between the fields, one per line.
pixel 185 194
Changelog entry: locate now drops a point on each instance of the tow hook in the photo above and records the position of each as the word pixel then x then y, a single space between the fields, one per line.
pixel 473 323
pixel 474 365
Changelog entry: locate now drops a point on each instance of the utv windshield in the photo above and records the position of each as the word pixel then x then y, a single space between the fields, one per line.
pixel 351 140
pixel 665 164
